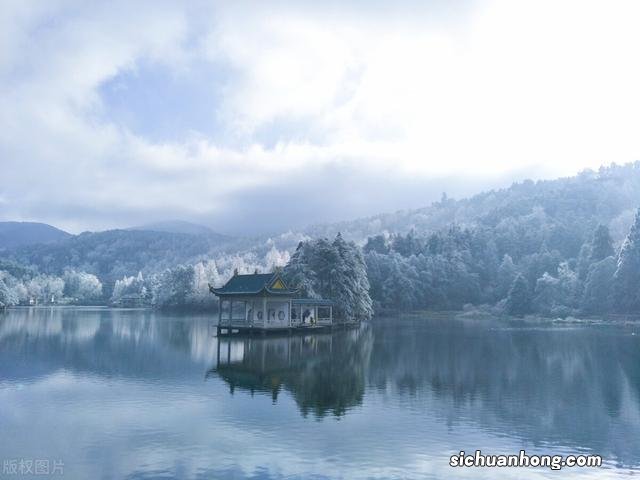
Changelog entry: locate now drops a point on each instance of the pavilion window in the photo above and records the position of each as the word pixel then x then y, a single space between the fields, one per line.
pixel 238 310
pixel 308 314
pixel 295 314
pixel 225 309
pixel 324 313
pixel 277 312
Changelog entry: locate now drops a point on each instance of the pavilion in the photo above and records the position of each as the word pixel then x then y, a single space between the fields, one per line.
pixel 264 302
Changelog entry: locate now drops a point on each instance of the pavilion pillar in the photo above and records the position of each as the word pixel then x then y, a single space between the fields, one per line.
pixel 264 312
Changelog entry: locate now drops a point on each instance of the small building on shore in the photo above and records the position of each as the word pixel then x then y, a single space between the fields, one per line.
pixel 130 300
pixel 263 301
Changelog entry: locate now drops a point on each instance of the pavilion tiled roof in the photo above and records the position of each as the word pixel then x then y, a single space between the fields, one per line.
pixel 254 284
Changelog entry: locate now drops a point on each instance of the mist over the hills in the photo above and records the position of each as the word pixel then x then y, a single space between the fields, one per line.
pixel 251 119
pixel 567 234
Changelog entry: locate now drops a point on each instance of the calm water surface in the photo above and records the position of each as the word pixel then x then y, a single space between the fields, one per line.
pixel 139 395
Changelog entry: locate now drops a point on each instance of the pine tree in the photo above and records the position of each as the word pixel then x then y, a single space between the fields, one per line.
pixel 377 243
pixel 584 261
pixel 355 272
pixel 299 273
pixel 175 287
pixel 601 245
pixel 519 298
pixel 507 273
pixel 627 276
pixel 334 270
pixel 597 287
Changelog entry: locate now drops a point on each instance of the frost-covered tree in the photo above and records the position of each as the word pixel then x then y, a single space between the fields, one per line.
pixel 13 290
pixel 627 276
pixel 378 244
pixel 584 261
pixel 602 244
pixel 557 295
pixel 134 285
pixel 406 245
pixel 7 296
pixel 204 274
pixel 174 287
pixel 519 298
pixel 334 270
pixel 597 296
pixel 82 286
pixel 537 264
pixel 547 294
pixel 507 272
pixel 45 288
pixel 20 291
pixel 299 272
pixel 276 258
pixel 351 289
pixel 399 292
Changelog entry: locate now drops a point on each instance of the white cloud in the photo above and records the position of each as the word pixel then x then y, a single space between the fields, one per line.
pixel 520 83
pixel 501 86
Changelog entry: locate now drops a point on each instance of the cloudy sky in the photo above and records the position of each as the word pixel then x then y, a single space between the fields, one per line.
pixel 254 116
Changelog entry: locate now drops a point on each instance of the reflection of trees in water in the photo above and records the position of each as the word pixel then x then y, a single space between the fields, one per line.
pixel 572 386
pixel 106 342
pixel 577 387
pixel 334 382
pixel 325 373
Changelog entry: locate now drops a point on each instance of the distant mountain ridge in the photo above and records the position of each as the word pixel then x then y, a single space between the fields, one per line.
pixel 18 234
pixel 568 208
pixel 609 196
pixel 114 253
pixel 176 226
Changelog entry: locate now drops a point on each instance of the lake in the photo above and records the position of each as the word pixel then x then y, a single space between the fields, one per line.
pixel 102 394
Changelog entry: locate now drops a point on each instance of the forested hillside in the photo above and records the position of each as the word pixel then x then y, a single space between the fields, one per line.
pixel 574 205
pixel 149 264
pixel 114 253
pixel 557 247
pixel 16 234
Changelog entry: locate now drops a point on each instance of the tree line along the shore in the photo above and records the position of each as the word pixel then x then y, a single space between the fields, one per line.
pixel 554 248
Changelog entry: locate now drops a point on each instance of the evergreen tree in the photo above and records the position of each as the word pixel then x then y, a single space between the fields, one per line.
pixel 597 295
pixel 557 295
pixel 547 294
pixel 175 287
pixel 334 270
pixel 627 276
pixel 584 261
pixel 398 289
pixel 601 245
pixel 519 298
pixel 507 273
pixel 407 245
pixel 81 286
pixel 377 243
pixel 7 297
pixel 299 271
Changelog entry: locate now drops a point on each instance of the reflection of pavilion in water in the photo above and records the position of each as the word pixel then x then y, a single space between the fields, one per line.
pixel 324 372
